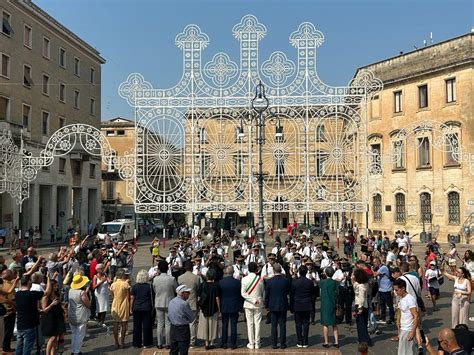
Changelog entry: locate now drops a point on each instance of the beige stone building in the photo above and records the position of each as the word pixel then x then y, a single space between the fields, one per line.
pixel 428 184
pixel 121 134
pixel 49 78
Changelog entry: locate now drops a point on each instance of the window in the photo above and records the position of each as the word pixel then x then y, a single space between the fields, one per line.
pixel 423 96
pixel 62 165
pixel 62 122
pixel 45 123
pixel 92 171
pixel 111 162
pixel 26 117
pixel 5 66
pixel 202 135
pixel 320 160
pixel 425 207
pixel 320 133
pixel 375 109
pixel 377 207
pixel 92 107
pixel 4 108
pixel 45 84
pixel 62 57
pixel 62 92
pixel 120 132
pixel 204 165
pixel 451 90
pixel 110 190
pixel 238 164
pixel 423 152
pixel 77 66
pixel 46 47
pixel 397 102
pixel 398 154
pixel 110 133
pixel 280 167
pixel 76 166
pixel 376 164
pixel 27 36
pixel 6 23
pixel 454 212
pixel 27 76
pixel 452 149
pixel 92 76
pixel 400 212
pixel 76 99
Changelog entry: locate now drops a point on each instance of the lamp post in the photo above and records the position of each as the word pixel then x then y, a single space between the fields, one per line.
pixel 260 105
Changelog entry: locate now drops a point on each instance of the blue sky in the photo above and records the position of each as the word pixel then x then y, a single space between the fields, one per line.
pixel 138 35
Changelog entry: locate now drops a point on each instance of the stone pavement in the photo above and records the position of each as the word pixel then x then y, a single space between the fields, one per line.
pixel 99 342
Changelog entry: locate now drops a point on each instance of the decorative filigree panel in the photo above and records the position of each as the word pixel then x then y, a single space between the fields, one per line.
pixel 192 155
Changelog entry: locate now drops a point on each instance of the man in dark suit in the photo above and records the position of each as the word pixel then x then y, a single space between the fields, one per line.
pixel 231 304
pixel 302 292
pixel 276 301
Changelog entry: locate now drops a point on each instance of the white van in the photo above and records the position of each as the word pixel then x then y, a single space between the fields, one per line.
pixel 119 229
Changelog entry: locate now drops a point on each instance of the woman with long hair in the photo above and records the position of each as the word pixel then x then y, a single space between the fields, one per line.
pixel 360 281
pixel 451 255
pixel 52 322
pixel 209 302
pixel 141 305
pixel 461 296
pixel 468 261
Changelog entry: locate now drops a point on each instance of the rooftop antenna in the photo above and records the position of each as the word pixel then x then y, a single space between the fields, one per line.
pixel 431 37
pixel 424 42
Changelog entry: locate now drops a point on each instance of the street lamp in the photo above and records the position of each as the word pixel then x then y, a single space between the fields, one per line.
pixel 260 105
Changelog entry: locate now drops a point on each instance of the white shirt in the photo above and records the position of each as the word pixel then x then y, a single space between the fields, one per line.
pixel 430 274
pixel 199 269
pixel 153 271
pixel 255 259
pixel 174 261
pixel 276 250
pixel 267 271
pixel 313 276
pixel 235 245
pixel 405 304
pixel 240 271
pixel 402 242
pixel 36 287
pixel 391 257
pixel 309 250
pixel 415 281
pixel 325 263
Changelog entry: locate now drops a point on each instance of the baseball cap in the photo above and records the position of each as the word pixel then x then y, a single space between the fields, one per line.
pixel 182 288
pixel 433 263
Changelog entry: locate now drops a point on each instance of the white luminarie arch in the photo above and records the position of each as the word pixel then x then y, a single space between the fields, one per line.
pixel 199 164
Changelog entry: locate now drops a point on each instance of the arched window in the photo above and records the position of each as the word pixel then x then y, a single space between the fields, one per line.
pixel 320 133
pixel 400 211
pixel 453 208
pixel 377 207
pixel 425 207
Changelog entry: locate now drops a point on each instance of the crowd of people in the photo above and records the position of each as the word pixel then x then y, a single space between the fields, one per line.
pixel 196 291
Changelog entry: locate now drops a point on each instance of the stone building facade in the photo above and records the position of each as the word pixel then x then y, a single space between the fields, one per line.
pixel 428 186
pixel 49 78
pixel 121 134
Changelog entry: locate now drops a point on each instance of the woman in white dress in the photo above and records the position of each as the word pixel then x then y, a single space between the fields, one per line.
pixel 101 291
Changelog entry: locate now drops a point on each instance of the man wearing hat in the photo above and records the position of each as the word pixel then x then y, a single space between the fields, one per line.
pixel 180 316
pixel 255 256
pixel 175 263
pixel 240 269
pixel 192 281
pixel 313 276
pixel 267 270
pixel 198 268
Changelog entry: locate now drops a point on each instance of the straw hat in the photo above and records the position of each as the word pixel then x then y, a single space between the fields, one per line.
pixel 79 282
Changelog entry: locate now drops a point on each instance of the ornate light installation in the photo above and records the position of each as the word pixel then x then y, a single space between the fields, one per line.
pixel 206 157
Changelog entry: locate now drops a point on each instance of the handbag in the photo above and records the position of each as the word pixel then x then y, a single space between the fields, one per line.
pixel 440 278
pixel 419 300
pixel 339 311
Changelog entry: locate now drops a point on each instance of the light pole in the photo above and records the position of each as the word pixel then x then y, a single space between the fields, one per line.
pixel 260 105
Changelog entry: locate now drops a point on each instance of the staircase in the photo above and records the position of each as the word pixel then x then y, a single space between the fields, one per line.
pixel 467 228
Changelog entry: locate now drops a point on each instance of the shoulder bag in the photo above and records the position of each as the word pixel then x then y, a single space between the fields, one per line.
pixel 419 300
